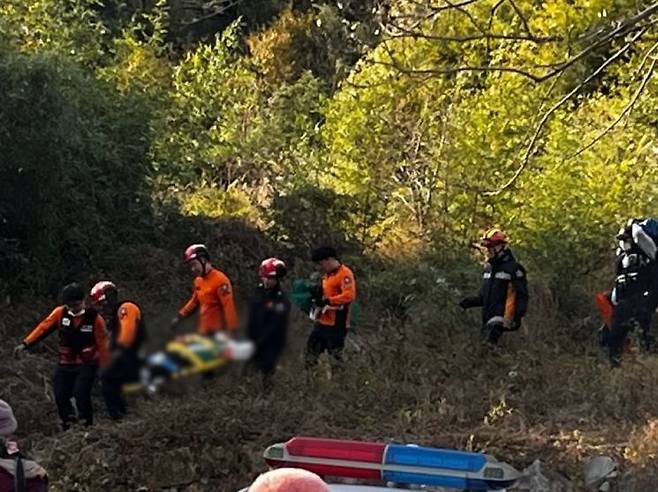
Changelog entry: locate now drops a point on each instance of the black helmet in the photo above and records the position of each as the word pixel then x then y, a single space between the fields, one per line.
pixel 626 232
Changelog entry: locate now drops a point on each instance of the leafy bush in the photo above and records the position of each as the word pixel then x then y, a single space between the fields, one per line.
pixel 74 175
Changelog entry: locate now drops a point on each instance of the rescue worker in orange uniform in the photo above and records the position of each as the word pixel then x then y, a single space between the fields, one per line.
pixel 503 295
pixel 331 309
pixel 127 331
pixel 212 295
pixel 82 349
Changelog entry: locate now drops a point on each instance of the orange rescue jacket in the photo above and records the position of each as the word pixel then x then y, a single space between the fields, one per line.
pixel 82 339
pixel 127 330
pixel 339 289
pixel 213 295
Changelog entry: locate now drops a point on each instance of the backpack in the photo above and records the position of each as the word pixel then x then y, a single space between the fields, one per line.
pixel 17 480
pixel 650 226
pixel 305 291
pixel 646 238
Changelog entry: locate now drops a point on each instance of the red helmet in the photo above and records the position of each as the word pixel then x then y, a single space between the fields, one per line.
pixel 493 237
pixel 196 251
pixel 102 290
pixel 272 268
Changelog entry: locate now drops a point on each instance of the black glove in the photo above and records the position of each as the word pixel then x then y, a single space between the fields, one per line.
pixel 315 291
pixel 464 303
pixel 321 303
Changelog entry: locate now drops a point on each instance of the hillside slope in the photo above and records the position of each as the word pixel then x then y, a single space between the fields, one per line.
pixel 541 396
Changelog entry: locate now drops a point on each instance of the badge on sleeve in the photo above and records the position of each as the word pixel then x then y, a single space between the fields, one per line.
pixel 347 281
pixel 224 288
pixel 280 307
pixel 123 312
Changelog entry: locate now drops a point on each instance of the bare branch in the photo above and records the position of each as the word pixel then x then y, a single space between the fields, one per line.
pixel 493 11
pixel 490 23
pixel 646 57
pixel 433 11
pixel 370 85
pixel 544 100
pixel 409 33
pixel 453 70
pixel 450 6
pixel 521 16
pixel 470 17
pixel 627 110
pixel 591 34
pixel 630 30
pixel 219 10
pixel 628 26
pixel 448 70
pixel 620 31
pixel 556 106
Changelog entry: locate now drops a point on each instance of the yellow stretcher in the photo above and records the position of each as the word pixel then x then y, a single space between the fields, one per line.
pixel 188 355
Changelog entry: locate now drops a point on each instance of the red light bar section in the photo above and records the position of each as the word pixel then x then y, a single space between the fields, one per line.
pixel 336 449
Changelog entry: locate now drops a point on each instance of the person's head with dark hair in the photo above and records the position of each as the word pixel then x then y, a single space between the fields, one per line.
pixel 73 297
pixel 323 253
pixel 326 258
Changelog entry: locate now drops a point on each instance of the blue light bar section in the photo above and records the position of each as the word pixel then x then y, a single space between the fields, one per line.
pixel 400 454
pixel 447 482
pixel 421 479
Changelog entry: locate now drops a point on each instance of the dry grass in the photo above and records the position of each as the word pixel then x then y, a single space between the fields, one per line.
pixel 545 394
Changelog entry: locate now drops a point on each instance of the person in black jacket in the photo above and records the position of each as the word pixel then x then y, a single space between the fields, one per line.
pixel 504 292
pixel 269 311
pixel 127 332
pixel 635 289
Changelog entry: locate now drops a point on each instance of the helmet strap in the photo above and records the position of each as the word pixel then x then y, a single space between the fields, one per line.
pixel 204 266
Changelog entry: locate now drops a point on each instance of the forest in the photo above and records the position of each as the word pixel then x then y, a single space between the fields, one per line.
pixel 397 131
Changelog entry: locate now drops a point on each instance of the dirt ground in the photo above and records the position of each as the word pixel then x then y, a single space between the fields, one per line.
pixel 546 394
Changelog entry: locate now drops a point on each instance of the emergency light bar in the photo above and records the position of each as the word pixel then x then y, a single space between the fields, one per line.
pixel 399 463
